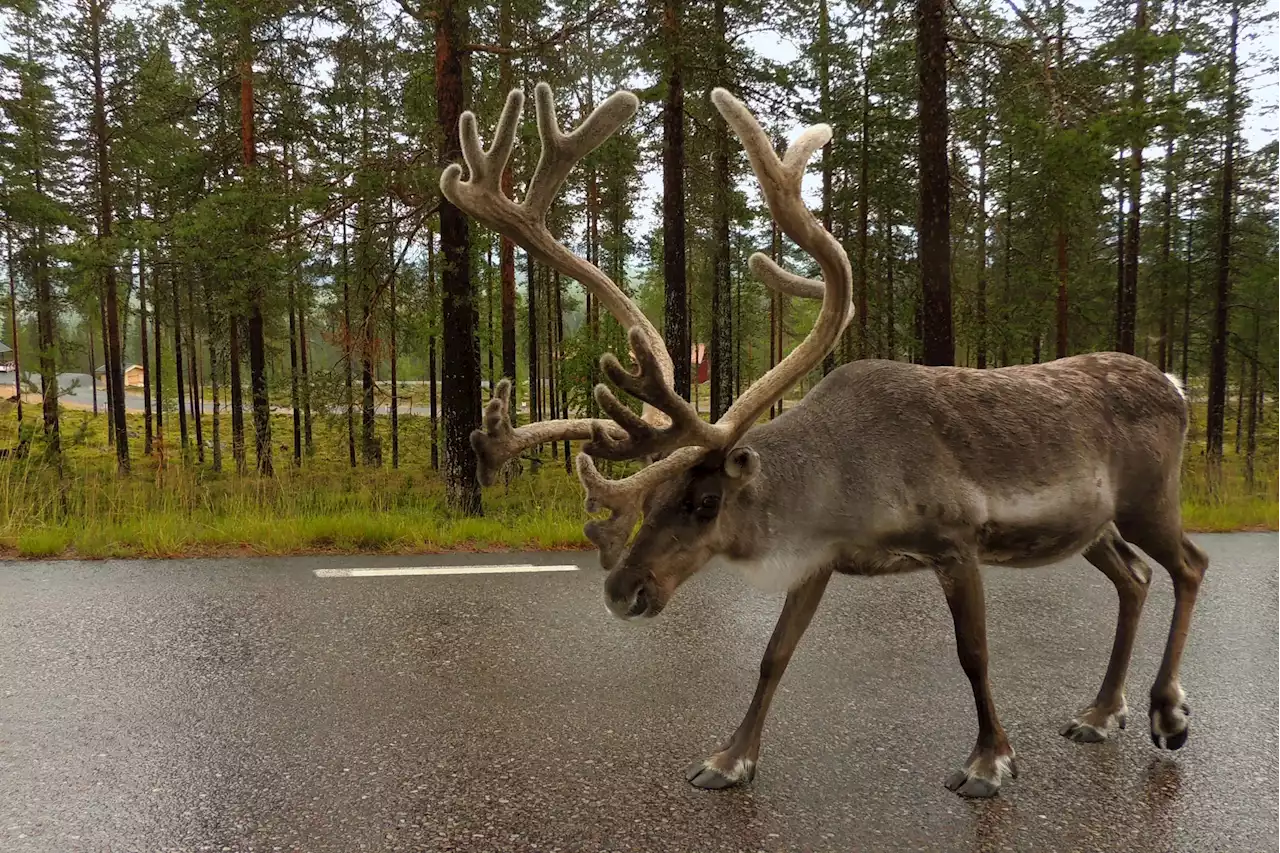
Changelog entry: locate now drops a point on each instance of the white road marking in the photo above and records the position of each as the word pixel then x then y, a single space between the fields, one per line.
pixel 506 568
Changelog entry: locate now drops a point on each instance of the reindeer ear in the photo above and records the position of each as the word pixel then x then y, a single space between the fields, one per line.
pixel 741 464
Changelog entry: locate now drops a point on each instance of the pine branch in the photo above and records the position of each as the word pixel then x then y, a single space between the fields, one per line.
pixel 421 13
pixel 556 38
pixel 424 213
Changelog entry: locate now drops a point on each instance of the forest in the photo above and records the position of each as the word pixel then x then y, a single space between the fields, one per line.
pixel 241 315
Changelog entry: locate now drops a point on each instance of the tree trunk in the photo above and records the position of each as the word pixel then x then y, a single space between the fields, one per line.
pixel 488 330
pixel 293 262
pixel 215 377
pixel 721 299
pixel 462 360
pixel 507 253
pixel 593 228
pixel 347 345
pixel 981 296
pixel 1007 287
pixel 144 351
pixel 1129 303
pixel 433 308
pixel 1251 439
pixel 47 338
pixel 197 387
pixel 1240 404
pixel 891 309
pixel 1121 260
pixel 824 106
pixel 775 313
pixel 531 286
pixel 193 389
pixel 1164 356
pixel 370 454
pixel 737 339
pixel 293 368
pixel 864 204
pixel 305 359
pixel 237 395
pixel 1063 340
pixel 564 391
pixel 14 335
pixel 1222 295
pixel 93 369
pixel 1164 350
pixel 676 302
pixel 96 11
pixel 177 357
pixel 257 332
pixel 552 345
pixel 1186 304
pixel 106 361
pixel 935 182
pixel 159 377
pixel 395 389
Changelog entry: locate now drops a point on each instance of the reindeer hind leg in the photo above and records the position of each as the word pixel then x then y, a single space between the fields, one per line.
pixel 1186 564
pixel 1114 557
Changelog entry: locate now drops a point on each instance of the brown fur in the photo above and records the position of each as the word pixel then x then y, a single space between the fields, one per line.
pixel 887 467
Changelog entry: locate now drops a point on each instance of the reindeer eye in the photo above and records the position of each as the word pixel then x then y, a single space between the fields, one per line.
pixel 708 507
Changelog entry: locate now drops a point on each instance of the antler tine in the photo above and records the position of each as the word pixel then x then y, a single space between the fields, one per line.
pixel 686 427
pixel 623 499
pixel 561 151
pixel 498 442
pixel 487 166
pixel 780 181
pixel 784 281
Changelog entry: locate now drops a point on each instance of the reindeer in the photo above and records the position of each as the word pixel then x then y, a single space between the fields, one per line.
pixel 882 468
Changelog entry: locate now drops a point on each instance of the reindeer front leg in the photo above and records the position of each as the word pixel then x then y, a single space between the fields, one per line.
pixel 992 757
pixel 736 763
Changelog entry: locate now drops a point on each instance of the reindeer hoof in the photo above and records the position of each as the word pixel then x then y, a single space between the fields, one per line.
pixel 982 776
pixel 1094 725
pixel 1169 724
pixel 720 771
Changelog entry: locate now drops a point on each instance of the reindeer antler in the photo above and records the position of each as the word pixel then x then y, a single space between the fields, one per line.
pixel 780 182
pixel 481 197
pixel 669 425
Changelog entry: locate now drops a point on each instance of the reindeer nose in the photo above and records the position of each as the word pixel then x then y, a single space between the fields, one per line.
pixel 629 597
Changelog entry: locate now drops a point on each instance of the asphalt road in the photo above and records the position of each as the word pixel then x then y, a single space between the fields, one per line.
pixel 249 705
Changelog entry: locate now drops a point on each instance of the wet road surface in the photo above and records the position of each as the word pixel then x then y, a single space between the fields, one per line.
pixel 250 706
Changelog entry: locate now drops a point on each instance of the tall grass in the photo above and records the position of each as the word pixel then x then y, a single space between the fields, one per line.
pixel 172 507
pixel 168 507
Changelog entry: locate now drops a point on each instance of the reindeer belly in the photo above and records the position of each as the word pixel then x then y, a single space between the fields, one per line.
pixel 1045 525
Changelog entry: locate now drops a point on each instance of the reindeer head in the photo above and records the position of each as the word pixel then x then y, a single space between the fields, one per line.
pixel 702 476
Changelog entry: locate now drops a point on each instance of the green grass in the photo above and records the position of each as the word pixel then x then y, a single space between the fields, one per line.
pixel 1238 515
pixel 173 508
